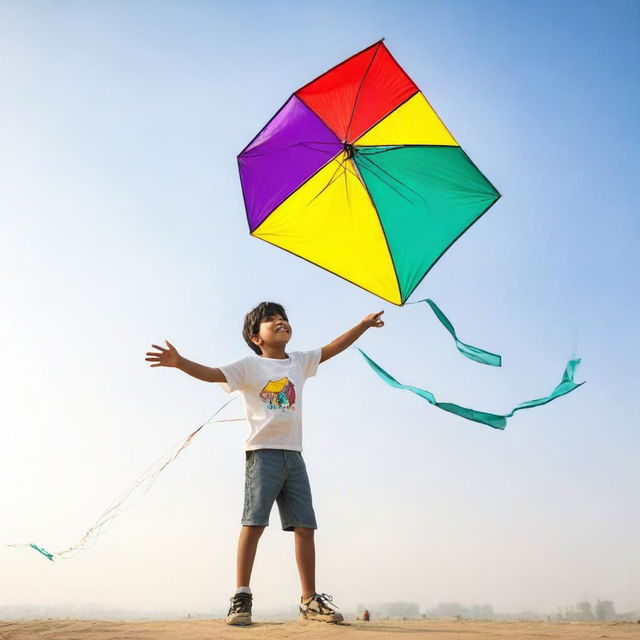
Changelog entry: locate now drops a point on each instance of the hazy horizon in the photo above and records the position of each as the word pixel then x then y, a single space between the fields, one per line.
pixel 122 224
pixel 376 609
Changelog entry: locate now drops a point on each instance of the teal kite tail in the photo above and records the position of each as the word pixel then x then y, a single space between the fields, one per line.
pixel 44 552
pixel 473 353
pixel 494 420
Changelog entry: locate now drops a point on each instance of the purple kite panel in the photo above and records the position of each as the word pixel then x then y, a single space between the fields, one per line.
pixel 289 150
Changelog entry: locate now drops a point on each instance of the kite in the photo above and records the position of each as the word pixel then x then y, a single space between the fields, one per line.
pixel 357 174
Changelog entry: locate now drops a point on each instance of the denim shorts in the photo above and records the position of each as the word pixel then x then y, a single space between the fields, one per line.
pixel 277 475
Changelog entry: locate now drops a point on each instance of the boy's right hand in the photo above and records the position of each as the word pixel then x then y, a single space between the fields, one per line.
pixel 163 357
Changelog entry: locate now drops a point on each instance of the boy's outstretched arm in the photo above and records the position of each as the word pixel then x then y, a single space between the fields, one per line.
pixel 171 358
pixel 346 340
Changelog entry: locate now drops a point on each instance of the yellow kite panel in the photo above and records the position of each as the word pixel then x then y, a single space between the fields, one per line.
pixel 415 122
pixel 331 222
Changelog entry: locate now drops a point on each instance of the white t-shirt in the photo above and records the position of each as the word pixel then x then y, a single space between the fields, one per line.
pixel 272 392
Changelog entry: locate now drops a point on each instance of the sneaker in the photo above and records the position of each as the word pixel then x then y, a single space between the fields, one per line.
pixel 240 609
pixel 320 607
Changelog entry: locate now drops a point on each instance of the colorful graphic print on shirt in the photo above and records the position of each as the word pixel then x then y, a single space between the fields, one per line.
pixel 279 394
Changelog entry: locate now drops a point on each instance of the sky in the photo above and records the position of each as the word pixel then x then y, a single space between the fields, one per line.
pixel 122 224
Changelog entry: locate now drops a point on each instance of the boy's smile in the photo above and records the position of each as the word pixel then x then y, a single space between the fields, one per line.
pixel 275 332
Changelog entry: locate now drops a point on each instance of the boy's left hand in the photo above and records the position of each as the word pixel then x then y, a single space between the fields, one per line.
pixel 374 320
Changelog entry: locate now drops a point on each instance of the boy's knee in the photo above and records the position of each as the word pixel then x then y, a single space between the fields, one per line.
pixel 254 531
pixel 304 532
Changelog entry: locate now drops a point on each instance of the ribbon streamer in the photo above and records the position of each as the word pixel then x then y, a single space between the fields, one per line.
pixel 495 420
pixel 471 352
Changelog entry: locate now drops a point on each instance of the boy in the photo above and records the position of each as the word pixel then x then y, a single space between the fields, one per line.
pixel 271 385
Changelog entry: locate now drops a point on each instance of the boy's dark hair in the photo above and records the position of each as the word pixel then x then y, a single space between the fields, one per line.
pixel 253 319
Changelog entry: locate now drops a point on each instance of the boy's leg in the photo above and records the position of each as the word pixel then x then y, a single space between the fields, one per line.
pixel 247 545
pixel 306 560
pixel 263 481
pixel 240 609
pixel 297 515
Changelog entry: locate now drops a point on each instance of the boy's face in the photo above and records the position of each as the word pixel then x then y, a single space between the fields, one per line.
pixel 274 331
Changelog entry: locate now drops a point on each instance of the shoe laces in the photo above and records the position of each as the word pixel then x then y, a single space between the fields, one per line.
pixel 325 602
pixel 241 602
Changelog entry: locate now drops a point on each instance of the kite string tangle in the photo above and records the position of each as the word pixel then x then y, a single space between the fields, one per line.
pixel 127 499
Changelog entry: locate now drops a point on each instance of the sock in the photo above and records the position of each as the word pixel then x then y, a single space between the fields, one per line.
pixel 243 590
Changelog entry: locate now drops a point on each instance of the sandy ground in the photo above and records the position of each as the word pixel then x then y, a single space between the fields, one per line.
pixel 305 630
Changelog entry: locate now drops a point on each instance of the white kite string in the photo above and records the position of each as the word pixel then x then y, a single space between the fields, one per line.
pixel 127 499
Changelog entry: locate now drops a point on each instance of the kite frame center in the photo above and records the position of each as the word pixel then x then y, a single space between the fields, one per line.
pixel 349 149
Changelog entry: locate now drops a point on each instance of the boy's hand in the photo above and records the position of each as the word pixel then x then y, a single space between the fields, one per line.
pixel 373 320
pixel 164 357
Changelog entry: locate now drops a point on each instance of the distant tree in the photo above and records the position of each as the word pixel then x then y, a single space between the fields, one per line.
pixel 584 610
pixel 605 610
pixel 481 611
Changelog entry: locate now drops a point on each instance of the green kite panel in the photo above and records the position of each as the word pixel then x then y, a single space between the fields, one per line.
pixel 426 197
